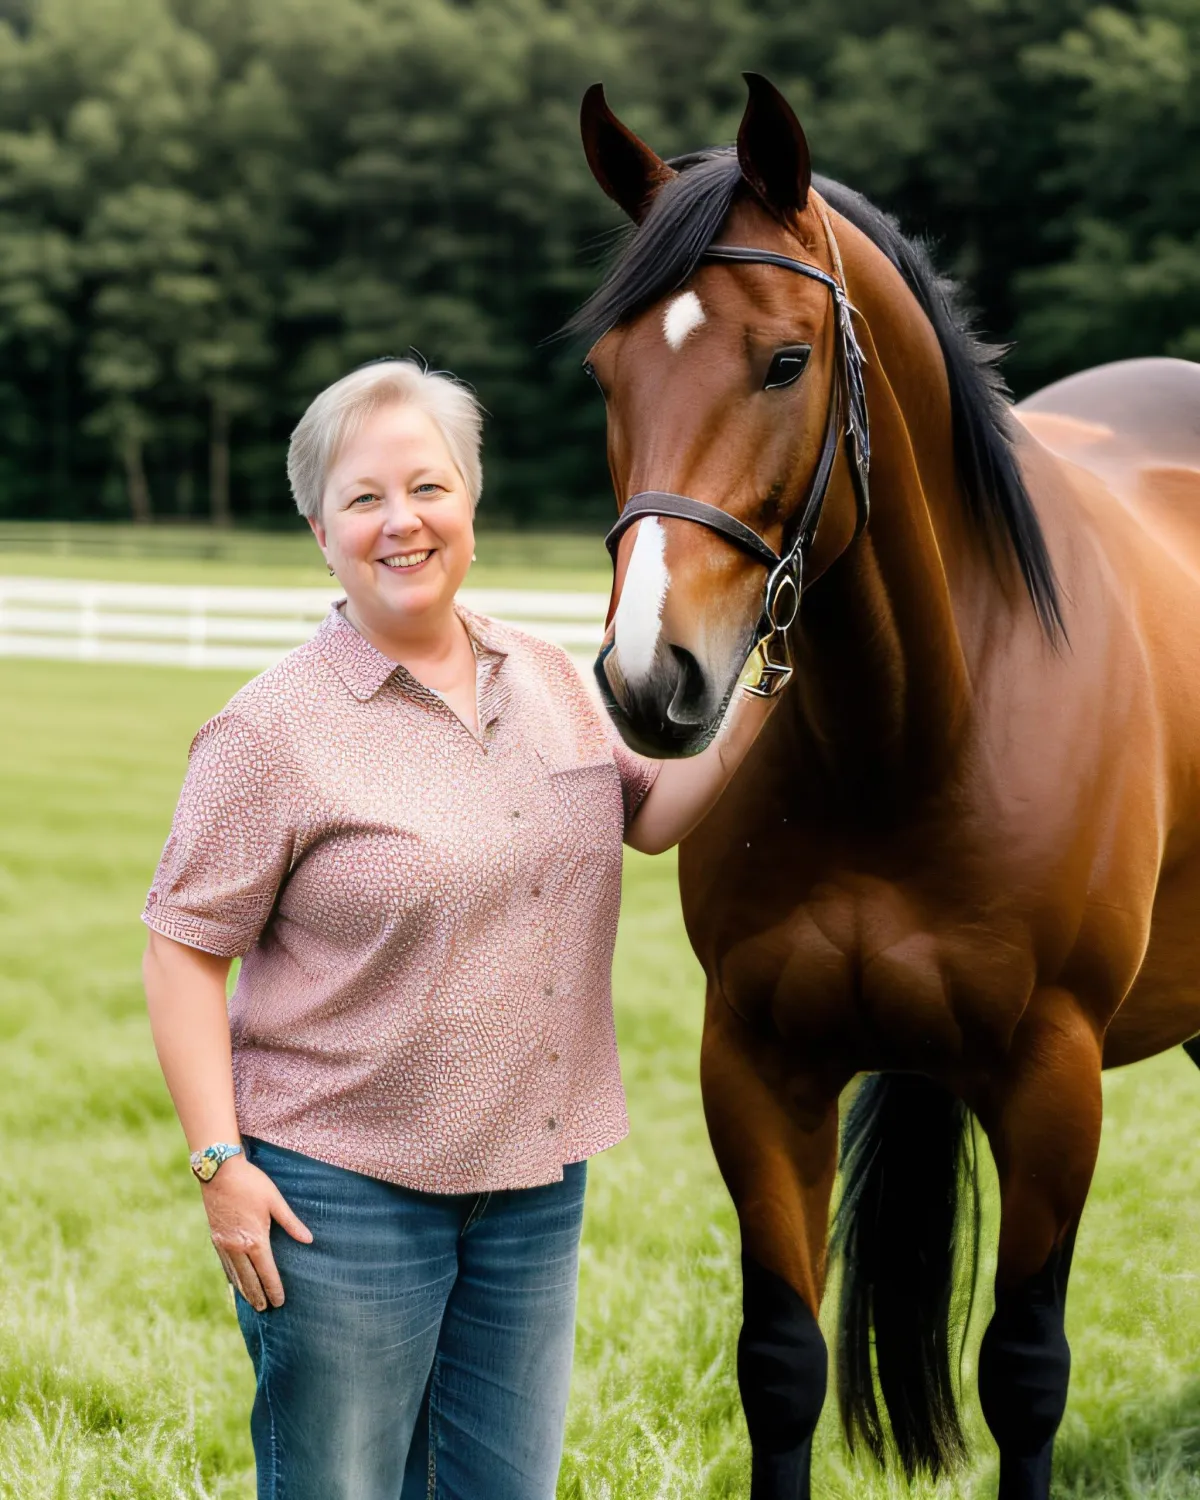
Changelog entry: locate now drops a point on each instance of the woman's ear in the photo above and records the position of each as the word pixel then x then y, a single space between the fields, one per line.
pixel 625 167
pixel 772 150
pixel 318 530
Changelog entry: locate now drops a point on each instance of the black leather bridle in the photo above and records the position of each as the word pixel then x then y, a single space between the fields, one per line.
pixel 785 569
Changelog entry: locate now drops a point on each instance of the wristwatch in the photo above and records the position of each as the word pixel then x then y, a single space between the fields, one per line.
pixel 205 1163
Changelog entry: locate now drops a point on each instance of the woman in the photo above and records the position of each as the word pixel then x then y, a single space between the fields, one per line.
pixel 410 831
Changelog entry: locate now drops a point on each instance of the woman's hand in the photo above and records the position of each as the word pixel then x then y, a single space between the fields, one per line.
pixel 685 790
pixel 185 992
pixel 241 1200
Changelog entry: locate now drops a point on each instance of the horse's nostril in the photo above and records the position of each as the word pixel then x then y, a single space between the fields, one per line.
pixel 688 705
pixel 689 668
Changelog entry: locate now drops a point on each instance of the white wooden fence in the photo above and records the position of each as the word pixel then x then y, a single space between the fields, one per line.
pixel 233 627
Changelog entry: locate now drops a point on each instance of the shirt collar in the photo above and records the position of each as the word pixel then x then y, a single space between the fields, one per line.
pixel 364 668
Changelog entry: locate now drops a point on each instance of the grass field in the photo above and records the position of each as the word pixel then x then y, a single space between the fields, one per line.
pixel 121 1370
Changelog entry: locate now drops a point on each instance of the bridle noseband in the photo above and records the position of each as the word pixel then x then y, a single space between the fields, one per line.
pixel 770 656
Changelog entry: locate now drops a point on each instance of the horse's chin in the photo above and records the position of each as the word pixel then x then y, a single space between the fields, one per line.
pixel 662 741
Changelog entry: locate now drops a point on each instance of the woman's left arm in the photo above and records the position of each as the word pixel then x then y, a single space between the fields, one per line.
pixel 685 790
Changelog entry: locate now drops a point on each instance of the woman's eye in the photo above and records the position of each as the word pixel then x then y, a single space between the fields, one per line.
pixel 358 499
pixel 787 365
pixel 428 488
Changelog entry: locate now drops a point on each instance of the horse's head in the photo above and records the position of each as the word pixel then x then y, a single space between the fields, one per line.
pixel 726 383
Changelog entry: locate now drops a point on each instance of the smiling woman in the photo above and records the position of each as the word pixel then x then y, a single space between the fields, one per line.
pixel 385 468
pixel 410 829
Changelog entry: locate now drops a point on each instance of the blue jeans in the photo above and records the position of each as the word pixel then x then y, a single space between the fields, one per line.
pixel 423 1350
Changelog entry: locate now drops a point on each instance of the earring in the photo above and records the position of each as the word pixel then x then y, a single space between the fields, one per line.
pixel 331 573
pixel 474 558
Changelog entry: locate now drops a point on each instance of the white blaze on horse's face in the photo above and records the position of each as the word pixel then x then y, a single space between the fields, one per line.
pixel 683 316
pixel 638 621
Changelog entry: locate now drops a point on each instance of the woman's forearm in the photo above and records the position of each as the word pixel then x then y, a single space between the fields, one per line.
pixel 685 790
pixel 185 993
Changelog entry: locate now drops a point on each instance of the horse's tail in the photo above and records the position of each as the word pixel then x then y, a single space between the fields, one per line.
pixel 907 1157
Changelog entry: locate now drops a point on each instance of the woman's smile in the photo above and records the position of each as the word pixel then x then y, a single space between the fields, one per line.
pixel 407 561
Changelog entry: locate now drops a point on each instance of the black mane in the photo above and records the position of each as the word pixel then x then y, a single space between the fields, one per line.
pixel 686 216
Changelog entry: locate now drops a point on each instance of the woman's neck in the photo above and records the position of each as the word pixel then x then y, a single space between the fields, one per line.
pixel 432 639
pixel 438 653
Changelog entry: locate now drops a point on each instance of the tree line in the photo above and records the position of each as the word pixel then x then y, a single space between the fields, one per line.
pixel 211 208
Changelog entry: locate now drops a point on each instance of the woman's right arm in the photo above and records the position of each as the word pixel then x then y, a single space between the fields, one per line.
pixel 185 993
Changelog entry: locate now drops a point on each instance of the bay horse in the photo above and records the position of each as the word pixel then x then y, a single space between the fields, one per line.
pixel 963 855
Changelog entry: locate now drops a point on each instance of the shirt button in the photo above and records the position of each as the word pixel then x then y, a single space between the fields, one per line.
pixel 516 814
pixel 554 1057
pixel 536 891
pixel 551 1123
pixel 547 990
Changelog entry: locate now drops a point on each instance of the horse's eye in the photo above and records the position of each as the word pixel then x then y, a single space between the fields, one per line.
pixel 787 365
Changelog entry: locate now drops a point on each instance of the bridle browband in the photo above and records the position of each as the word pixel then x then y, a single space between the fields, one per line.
pixel 847 417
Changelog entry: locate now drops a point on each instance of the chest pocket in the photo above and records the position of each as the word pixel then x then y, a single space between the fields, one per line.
pixel 584 785
pixel 569 746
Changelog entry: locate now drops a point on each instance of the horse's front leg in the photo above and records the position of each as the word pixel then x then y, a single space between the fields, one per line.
pixel 1043 1122
pixel 774 1134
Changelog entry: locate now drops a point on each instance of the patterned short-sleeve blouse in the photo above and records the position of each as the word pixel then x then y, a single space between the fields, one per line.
pixel 426 917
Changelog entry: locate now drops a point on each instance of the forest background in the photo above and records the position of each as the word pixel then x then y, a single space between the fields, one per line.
pixel 211 208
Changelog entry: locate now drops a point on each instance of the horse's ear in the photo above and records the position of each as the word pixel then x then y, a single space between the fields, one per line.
pixel 772 150
pixel 625 167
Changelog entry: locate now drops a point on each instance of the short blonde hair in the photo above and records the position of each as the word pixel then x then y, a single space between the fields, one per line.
pixel 342 408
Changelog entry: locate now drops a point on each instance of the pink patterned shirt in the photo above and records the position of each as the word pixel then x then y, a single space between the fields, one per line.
pixel 427 919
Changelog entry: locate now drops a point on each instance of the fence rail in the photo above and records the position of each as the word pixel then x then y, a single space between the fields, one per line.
pixel 213 626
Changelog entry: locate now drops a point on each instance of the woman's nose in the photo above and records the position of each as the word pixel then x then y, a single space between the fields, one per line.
pixel 400 516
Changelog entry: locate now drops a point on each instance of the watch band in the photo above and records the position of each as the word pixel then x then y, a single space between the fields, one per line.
pixel 206 1163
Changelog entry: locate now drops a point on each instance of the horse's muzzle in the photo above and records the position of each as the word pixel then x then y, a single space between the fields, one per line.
pixel 668 713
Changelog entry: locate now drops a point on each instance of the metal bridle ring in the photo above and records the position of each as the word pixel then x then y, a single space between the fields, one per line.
pixel 777 587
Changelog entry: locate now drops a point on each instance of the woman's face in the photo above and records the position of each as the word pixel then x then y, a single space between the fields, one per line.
pixel 395 521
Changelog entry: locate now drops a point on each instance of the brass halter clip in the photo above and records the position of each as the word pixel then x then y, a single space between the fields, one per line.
pixel 769 666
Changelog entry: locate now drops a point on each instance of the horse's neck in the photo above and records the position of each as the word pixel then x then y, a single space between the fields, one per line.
pixel 883 692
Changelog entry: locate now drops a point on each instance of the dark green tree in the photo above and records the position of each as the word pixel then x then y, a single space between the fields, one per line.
pixel 211 208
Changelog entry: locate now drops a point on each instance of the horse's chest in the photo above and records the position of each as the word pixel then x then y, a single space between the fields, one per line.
pixel 856 968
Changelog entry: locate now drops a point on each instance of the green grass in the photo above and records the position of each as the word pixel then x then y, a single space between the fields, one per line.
pixel 275 559
pixel 121 1370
